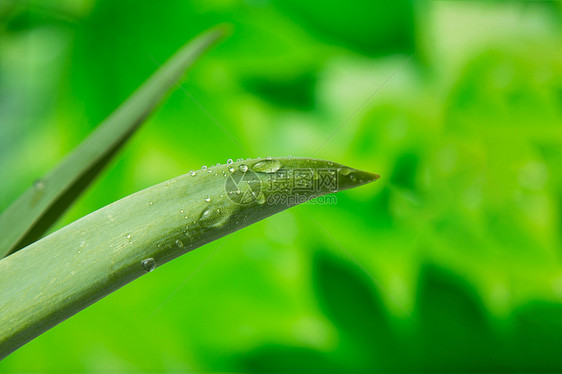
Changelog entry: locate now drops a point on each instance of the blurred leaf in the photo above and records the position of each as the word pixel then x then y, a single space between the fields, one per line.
pixel 539 336
pixel 405 171
pixel 371 27
pixel 40 206
pixel 273 358
pixel 292 90
pixel 452 322
pixel 347 297
pixel 505 89
pixel 19 17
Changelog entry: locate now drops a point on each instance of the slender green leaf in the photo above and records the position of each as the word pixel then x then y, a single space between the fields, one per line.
pixel 63 273
pixel 27 219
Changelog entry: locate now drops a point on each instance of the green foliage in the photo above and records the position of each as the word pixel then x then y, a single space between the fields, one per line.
pixel 467 135
pixel 373 28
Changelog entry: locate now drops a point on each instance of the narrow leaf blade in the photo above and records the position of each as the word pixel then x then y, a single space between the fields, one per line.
pixel 29 217
pixel 63 273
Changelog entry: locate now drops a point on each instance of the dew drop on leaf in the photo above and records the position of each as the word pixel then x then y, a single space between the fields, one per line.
pixel 38 184
pixel 344 171
pixel 148 264
pixel 212 217
pixel 267 166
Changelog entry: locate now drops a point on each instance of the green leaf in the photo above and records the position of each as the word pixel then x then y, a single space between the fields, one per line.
pixel 351 302
pixel 63 273
pixel 277 358
pixel 453 323
pixel 40 206
pixel 371 27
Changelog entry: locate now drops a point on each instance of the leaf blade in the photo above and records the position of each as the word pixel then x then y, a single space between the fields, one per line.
pixel 40 206
pixel 68 270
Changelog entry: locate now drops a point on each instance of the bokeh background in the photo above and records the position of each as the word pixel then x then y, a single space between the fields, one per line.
pixel 451 261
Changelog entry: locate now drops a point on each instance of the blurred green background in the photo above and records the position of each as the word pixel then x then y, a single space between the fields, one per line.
pixel 452 261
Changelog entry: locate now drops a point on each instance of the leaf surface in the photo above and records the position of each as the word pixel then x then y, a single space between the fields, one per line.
pixel 68 270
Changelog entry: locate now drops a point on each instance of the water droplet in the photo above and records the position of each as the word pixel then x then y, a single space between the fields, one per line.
pixel 38 184
pixel 267 166
pixel 231 169
pixel 290 157
pixel 239 160
pixel 212 217
pixel 204 167
pixel 229 161
pixel 128 236
pixel 243 168
pixel 260 199
pixel 344 171
pixel 179 243
pixel 150 203
pixel 181 211
pixel 207 198
pixel 192 173
pixel 185 217
pixel 268 158
pixel 218 164
pixel 148 264
pixel 352 177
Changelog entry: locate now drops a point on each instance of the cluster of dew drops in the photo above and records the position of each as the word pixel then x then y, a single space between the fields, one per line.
pixel 149 264
pixel 242 167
